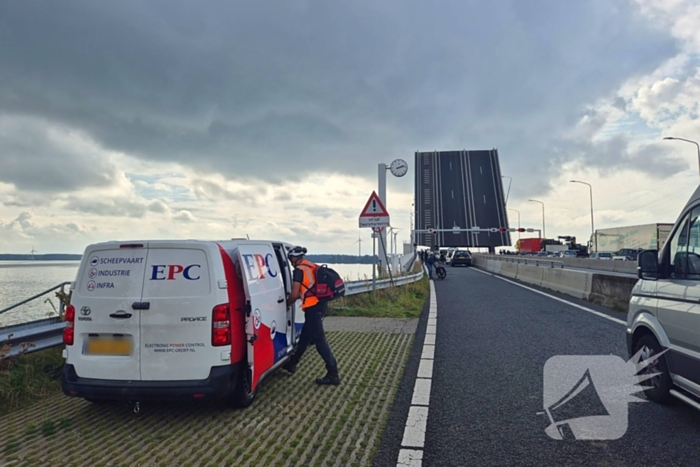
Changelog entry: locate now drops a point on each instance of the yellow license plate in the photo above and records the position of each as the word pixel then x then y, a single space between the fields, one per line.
pixel 108 347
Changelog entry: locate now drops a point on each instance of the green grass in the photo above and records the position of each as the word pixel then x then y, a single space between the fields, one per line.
pixel 29 377
pixel 399 302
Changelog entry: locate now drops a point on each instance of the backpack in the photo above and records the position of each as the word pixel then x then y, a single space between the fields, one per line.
pixel 328 284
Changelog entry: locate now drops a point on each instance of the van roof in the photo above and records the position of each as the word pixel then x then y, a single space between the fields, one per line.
pixel 694 198
pixel 194 240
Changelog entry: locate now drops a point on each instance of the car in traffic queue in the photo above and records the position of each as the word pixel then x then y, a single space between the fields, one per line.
pixel 601 255
pixel 153 320
pixel 626 254
pixel 461 258
pixel 663 321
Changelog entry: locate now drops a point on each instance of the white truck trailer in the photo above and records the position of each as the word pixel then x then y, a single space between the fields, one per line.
pixel 645 236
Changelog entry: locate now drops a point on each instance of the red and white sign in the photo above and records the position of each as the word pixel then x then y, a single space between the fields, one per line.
pixel 374 213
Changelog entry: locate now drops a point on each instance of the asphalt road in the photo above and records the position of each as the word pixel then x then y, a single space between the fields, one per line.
pixel 493 339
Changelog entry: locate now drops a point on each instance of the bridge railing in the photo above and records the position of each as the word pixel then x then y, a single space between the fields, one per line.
pixel 46 333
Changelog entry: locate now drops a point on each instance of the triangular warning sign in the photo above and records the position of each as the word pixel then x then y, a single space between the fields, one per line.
pixel 374 207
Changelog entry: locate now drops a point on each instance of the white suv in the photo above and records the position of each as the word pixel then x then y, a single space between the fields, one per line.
pixel 664 311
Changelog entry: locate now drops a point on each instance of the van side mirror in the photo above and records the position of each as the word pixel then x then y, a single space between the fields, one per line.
pixel 648 265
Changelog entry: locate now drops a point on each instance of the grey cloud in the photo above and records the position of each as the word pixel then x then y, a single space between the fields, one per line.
pixel 158 206
pixel 276 92
pixel 184 216
pixel 34 160
pixel 215 191
pixel 656 159
pixel 25 227
pixel 108 207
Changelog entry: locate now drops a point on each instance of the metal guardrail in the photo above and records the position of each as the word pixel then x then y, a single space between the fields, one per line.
pixel 357 287
pixel 46 333
pixel 520 260
pixel 61 286
pixel 594 265
pixel 31 337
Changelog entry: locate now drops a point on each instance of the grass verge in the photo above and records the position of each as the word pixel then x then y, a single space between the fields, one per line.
pixel 399 302
pixel 26 378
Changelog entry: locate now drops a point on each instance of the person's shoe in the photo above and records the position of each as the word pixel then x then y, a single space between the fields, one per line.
pixel 290 366
pixel 329 379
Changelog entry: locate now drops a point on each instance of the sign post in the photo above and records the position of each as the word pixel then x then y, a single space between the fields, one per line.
pixel 374 216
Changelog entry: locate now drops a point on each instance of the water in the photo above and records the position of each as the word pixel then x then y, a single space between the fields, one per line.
pixel 20 280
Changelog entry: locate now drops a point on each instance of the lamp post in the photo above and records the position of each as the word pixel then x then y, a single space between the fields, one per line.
pixel 510 180
pixel 590 188
pixel 518 220
pixel 544 233
pixel 688 141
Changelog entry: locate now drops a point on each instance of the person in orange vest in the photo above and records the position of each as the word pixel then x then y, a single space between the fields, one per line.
pixel 302 282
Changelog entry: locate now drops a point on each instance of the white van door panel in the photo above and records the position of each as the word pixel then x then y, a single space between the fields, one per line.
pixel 107 341
pixel 176 327
pixel 266 320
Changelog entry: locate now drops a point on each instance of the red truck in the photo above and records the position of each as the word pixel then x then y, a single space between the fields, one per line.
pixel 529 245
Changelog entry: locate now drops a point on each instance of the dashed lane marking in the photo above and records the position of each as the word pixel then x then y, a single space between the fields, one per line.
pixel 410 458
pixel 417 421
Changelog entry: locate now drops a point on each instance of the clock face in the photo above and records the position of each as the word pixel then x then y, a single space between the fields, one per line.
pixel 399 168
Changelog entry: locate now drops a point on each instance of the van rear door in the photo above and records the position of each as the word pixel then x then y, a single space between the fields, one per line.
pixel 106 297
pixel 266 320
pixel 176 327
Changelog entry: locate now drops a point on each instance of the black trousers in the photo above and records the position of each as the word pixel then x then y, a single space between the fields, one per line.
pixel 313 332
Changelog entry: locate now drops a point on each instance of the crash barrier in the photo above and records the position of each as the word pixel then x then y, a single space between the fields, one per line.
pixel 604 289
pixel 612 291
pixel 31 337
pixel 524 260
pixel 46 333
pixel 623 267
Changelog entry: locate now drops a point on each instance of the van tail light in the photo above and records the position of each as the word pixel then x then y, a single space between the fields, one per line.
pixel 69 330
pixel 221 326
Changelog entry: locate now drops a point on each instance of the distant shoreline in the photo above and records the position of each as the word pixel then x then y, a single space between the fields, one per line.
pixel 47 257
pixel 322 258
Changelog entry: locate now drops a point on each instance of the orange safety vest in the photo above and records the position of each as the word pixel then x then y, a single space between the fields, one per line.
pixel 309 270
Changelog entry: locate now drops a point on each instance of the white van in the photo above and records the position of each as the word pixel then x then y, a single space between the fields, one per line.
pixel 178 319
pixel 664 312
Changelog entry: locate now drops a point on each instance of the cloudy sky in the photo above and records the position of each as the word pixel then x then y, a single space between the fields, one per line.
pixel 173 119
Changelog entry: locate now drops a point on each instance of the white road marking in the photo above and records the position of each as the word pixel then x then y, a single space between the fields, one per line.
pixel 597 313
pixel 414 434
pixel 425 369
pixel 410 458
pixel 417 421
pixel 421 392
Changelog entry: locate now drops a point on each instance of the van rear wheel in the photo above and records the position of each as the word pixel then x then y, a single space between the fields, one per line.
pixel 243 396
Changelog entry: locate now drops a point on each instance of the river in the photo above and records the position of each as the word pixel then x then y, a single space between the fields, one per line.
pixel 22 279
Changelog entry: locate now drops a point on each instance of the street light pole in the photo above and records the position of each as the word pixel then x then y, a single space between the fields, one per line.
pixel 544 232
pixel 518 220
pixel 510 180
pixel 590 188
pixel 688 141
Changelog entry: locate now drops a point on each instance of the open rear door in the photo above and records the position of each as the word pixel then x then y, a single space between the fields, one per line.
pixel 266 318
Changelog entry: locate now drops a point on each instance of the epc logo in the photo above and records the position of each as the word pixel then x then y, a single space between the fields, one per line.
pixel 258 264
pixel 158 272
